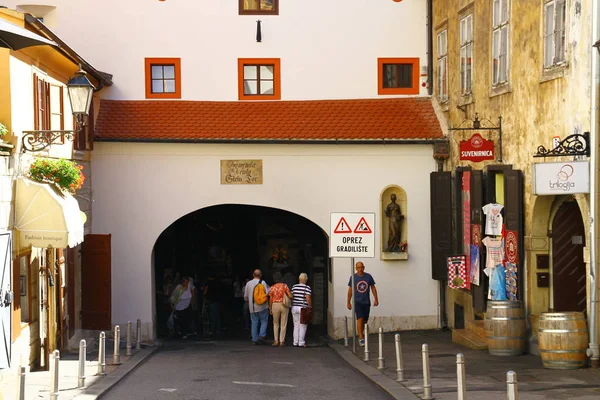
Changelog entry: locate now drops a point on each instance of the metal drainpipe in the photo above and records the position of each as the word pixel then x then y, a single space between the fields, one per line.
pixel 594 350
pixel 430 47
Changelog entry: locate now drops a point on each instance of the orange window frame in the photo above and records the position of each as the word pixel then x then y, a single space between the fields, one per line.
pixel 275 62
pixel 176 62
pixel 415 76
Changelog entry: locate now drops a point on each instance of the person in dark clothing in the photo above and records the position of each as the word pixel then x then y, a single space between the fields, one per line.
pixel 213 296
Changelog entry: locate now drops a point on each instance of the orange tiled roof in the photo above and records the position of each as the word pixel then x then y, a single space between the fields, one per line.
pixel 371 119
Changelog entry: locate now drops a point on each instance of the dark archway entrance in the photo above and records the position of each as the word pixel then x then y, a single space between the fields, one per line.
pixel 228 241
pixel 568 265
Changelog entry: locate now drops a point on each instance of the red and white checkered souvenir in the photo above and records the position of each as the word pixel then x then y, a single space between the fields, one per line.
pixel 457 272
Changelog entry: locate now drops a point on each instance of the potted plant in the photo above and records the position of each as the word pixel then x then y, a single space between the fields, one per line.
pixel 64 174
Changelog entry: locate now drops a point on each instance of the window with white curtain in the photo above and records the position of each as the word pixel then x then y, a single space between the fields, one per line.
pixel 466 55
pixel 554 32
pixel 500 39
pixel 442 58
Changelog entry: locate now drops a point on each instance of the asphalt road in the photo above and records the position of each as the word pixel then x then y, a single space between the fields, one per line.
pixel 238 370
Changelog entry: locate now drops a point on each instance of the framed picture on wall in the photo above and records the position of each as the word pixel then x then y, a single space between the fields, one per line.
pixel 23 286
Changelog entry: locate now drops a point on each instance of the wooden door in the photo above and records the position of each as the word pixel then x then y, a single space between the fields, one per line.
pixel 5 299
pixel 441 223
pixel 71 254
pixel 478 291
pixel 96 282
pixel 568 266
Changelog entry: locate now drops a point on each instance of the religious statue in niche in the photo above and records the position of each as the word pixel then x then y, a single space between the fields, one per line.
pixel 395 217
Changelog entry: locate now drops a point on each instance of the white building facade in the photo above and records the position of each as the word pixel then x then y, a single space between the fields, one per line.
pixel 332 99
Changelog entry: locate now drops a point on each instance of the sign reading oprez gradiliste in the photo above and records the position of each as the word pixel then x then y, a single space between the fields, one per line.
pixel 561 178
pixel 352 235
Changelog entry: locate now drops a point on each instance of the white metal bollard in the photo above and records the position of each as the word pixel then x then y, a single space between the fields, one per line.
pixel 102 354
pixel 427 395
pixel 380 360
pixel 54 361
pixel 138 335
pixel 461 376
pixel 22 375
pixel 82 357
pixel 346 339
pixel 366 333
pixel 117 353
pixel 128 349
pixel 399 363
pixel 512 390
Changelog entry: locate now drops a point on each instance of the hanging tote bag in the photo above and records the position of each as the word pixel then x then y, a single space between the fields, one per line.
pixel 287 302
pixel 305 312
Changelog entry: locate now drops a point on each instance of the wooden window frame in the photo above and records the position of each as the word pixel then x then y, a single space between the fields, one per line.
pixel 498 25
pixel 176 62
pixel 442 66
pixel 415 89
pixel 466 46
pixel 562 32
pixel 84 139
pixel 275 62
pixel 275 11
pixel 41 103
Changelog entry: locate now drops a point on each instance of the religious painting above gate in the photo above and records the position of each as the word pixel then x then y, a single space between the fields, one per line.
pixel 477 149
pixel 241 172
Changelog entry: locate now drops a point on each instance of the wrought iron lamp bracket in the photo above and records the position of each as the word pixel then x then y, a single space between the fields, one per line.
pixel 577 144
pixel 483 125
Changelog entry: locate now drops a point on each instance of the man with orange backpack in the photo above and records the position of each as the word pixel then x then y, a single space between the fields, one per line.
pixel 255 294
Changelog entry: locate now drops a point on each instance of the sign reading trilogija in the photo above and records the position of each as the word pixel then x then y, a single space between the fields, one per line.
pixel 561 178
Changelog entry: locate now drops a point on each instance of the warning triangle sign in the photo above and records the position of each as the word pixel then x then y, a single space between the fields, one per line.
pixel 362 226
pixel 342 226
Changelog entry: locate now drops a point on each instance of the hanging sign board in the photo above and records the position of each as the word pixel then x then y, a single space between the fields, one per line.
pixel 352 235
pixel 477 149
pixel 561 178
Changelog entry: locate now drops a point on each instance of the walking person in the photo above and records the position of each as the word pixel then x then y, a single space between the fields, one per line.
pixel 279 311
pixel 181 301
pixel 258 306
pixel 212 295
pixel 363 283
pixel 301 298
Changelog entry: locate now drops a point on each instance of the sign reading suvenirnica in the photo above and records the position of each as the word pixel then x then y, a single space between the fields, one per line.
pixel 241 172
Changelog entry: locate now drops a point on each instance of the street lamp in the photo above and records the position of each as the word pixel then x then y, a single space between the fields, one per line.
pixel 80 91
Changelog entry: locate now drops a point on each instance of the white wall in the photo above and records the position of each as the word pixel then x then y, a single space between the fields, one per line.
pixel 328 49
pixel 140 189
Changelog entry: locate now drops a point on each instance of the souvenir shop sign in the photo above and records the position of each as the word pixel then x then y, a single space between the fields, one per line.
pixel 352 235
pixel 477 149
pixel 561 178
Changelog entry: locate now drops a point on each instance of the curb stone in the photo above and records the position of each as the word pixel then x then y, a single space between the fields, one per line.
pixel 395 389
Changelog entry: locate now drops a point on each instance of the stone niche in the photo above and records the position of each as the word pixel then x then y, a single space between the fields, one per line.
pixel 389 249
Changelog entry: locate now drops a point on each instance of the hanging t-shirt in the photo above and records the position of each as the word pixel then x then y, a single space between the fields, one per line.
pixel 493 220
pixel 494 252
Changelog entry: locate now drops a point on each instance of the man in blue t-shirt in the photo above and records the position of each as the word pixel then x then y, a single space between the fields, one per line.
pixel 363 284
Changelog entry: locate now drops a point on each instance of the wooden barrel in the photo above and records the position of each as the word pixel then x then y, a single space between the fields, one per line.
pixel 506 328
pixel 563 340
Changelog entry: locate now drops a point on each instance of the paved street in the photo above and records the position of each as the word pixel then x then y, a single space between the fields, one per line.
pixel 239 370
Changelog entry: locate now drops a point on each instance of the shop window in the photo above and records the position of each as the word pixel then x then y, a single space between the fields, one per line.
pixel 394 231
pixel 398 76
pixel 25 295
pixel 163 78
pixel 259 79
pixel 259 7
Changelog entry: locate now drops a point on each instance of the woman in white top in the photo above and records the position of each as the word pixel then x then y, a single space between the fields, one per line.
pixel 181 301
pixel 301 298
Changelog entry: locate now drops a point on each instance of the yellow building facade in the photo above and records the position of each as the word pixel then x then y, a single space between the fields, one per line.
pixel 528 62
